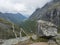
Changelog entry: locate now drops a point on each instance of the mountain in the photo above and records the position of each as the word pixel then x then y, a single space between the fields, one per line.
pixel 16 18
pixel 49 12
pixel 6 30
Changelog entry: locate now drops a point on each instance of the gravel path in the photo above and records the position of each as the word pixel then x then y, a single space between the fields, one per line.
pixel 14 41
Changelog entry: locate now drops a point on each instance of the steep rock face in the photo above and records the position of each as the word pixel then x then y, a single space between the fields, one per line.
pixel 50 12
pixel 46 28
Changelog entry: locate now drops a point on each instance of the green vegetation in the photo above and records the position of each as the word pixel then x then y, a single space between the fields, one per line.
pixel 58 38
pixel 58 29
pixel 6 30
pixel 29 26
pixel 5 21
pixel 39 39
pixel 42 39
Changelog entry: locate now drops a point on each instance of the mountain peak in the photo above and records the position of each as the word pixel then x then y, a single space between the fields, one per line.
pixel 51 8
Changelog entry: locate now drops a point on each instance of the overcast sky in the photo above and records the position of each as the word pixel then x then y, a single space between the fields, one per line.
pixel 26 7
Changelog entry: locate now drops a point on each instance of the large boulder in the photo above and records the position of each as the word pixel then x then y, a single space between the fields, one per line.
pixel 46 28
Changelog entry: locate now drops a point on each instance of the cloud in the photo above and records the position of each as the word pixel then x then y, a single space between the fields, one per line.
pixel 20 7
pixel 25 7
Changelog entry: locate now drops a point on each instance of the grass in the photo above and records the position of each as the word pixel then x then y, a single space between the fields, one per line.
pixel 5 21
pixel 7 33
pixel 39 39
pixel 27 42
pixel 58 38
pixel 58 29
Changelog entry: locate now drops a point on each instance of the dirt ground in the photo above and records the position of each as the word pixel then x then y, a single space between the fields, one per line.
pixel 29 42
pixel 40 43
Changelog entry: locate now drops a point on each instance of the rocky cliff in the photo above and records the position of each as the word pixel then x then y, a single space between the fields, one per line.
pixel 49 12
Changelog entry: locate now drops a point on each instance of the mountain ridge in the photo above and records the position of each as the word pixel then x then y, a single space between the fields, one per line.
pixel 15 18
pixel 44 13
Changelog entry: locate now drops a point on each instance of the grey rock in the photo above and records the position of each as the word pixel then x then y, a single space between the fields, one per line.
pixel 49 12
pixel 47 28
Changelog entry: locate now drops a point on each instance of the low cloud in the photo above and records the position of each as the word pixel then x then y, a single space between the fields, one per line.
pixel 25 7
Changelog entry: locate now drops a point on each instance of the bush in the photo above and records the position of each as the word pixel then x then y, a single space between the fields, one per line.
pixel 42 39
pixel 58 29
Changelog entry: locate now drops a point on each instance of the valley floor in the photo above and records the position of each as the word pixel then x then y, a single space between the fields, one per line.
pixel 25 40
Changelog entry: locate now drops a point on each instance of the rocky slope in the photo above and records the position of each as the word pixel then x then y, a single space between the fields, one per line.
pixel 6 30
pixel 49 12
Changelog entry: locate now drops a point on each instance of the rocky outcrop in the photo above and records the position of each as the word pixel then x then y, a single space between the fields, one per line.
pixel 46 28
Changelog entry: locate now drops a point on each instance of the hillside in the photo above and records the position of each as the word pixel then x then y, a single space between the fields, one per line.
pixel 49 12
pixel 16 18
pixel 6 30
